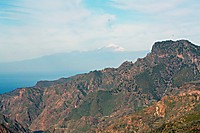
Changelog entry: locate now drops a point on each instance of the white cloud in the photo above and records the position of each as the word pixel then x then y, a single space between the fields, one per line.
pixel 150 6
pixel 172 19
pixel 50 27
pixel 45 27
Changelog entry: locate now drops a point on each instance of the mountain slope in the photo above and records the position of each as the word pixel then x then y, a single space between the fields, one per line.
pixel 173 113
pixel 11 126
pixel 84 102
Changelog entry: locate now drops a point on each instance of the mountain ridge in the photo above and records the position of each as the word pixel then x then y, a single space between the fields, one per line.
pixel 83 102
pixel 26 73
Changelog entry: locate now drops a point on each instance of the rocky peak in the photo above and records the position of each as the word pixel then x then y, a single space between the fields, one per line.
pixel 180 48
pixel 176 53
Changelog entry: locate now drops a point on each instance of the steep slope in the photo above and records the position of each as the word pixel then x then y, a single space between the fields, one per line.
pixel 84 102
pixel 22 105
pixel 173 113
pixel 10 126
pixel 3 129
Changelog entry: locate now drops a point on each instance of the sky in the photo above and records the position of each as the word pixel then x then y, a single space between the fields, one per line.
pixel 34 28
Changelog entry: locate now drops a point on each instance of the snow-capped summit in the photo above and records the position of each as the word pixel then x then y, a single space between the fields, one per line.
pixel 115 47
pixel 112 47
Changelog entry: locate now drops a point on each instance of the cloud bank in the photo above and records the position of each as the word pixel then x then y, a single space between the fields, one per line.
pixel 30 28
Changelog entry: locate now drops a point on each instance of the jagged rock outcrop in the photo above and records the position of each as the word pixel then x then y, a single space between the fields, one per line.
pixel 87 101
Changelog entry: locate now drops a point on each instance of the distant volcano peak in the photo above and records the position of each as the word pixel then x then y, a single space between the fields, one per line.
pixel 112 47
pixel 115 47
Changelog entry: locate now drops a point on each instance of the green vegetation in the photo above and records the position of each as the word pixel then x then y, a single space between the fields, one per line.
pixel 159 68
pixel 82 128
pixel 187 124
pixel 101 102
pixel 186 74
pixel 145 81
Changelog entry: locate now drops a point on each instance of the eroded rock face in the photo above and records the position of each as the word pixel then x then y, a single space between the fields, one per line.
pixel 22 105
pixel 160 109
pixel 10 126
pixel 105 95
pixel 3 129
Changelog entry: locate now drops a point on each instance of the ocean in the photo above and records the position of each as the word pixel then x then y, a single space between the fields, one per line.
pixel 9 82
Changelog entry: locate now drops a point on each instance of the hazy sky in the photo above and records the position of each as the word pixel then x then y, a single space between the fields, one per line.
pixel 32 28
